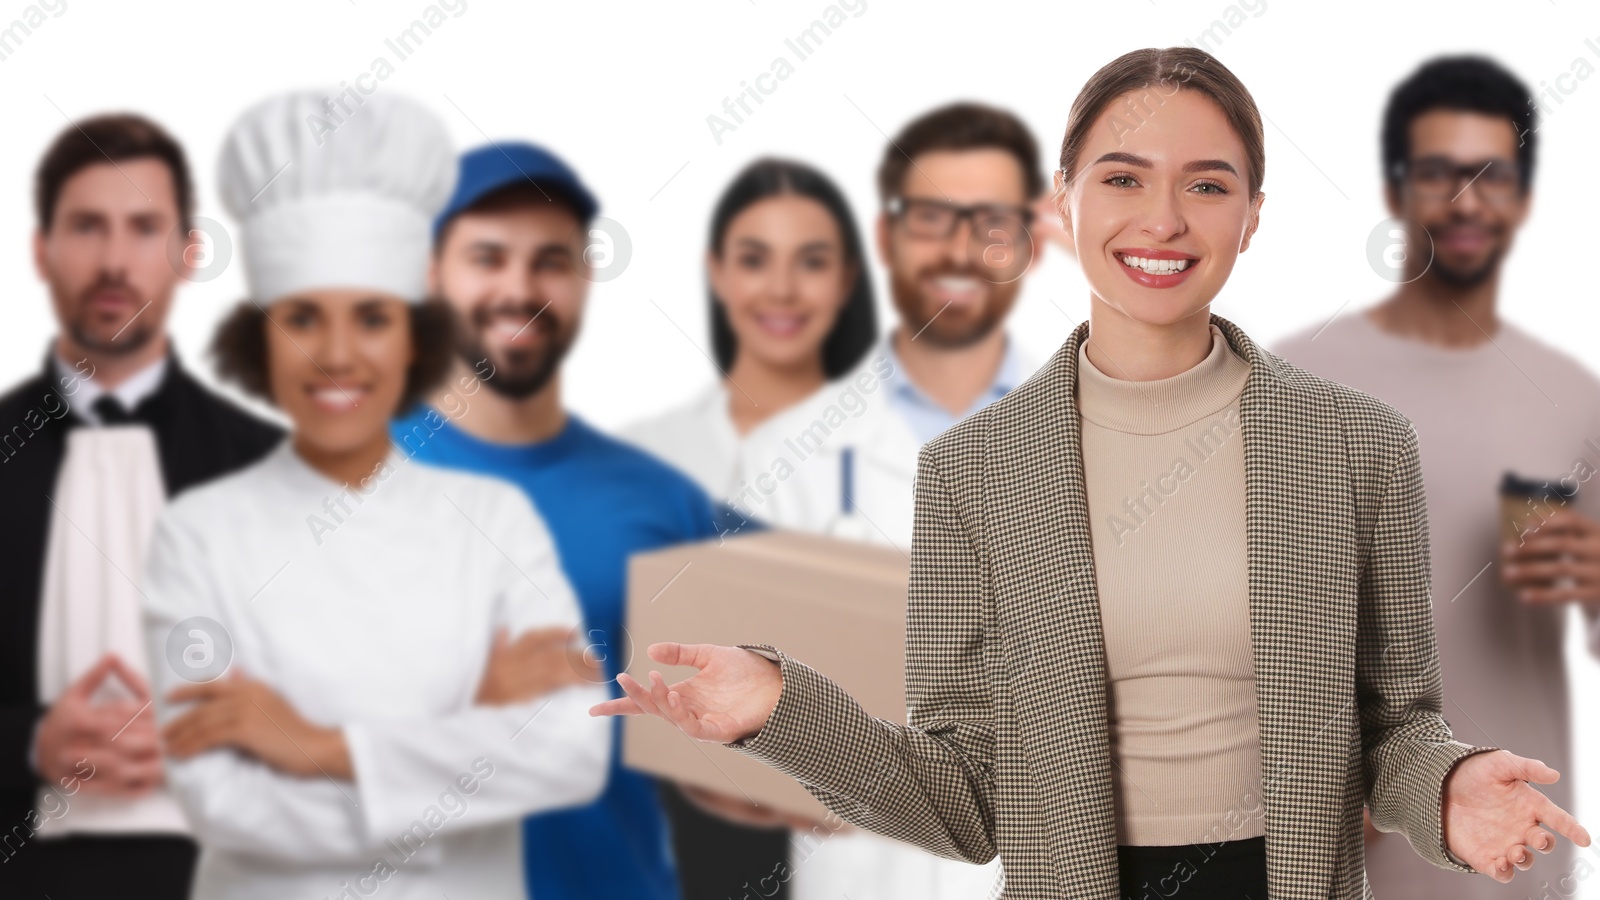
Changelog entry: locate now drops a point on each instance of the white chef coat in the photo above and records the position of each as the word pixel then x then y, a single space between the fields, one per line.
pixel 798 481
pixel 376 616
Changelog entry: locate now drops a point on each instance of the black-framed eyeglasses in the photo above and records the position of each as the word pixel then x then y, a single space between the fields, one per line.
pixel 926 218
pixel 1440 178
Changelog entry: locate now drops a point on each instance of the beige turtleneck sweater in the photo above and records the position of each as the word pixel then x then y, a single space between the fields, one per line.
pixel 1164 462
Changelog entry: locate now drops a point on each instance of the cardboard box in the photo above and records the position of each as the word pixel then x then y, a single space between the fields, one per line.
pixel 838 606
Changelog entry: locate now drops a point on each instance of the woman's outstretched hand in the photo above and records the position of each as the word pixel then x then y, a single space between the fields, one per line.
pixel 728 699
pixel 1493 816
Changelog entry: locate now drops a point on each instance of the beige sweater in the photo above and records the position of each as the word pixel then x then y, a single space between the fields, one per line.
pixel 1514 403
pixel 1164 462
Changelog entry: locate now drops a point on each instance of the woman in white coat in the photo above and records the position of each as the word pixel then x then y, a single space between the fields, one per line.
pixel 791 308
pixel 334 693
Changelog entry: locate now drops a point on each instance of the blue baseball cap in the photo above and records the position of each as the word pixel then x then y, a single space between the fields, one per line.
pixel 486 169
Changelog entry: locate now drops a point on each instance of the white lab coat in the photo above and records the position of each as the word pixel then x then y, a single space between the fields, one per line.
pixel 375 614
pixel 697 438
pixel 795 471
pixel 798 482
pixel 700 440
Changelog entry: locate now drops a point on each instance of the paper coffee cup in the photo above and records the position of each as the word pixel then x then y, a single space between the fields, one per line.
pixel 1525 505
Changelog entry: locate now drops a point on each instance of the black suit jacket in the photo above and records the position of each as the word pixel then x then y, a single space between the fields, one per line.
pixel 199 436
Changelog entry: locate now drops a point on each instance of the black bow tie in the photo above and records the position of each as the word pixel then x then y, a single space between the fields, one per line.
pixel 112 412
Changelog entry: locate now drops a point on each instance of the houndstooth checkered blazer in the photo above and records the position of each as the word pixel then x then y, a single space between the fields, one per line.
pixel 1007 749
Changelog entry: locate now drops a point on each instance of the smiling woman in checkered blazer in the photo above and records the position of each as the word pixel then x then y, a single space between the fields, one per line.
pixel 1169 624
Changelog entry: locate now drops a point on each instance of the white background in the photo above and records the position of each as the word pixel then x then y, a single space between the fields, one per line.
pixel 623 90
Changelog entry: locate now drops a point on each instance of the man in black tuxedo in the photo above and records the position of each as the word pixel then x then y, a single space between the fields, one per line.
pixel 113 205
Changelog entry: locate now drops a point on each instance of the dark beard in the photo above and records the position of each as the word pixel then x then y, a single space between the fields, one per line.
pixel 1467 278
pixel 133 337
pixel 523 373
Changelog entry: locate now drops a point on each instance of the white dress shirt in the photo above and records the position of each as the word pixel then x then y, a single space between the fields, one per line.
pixel 129 392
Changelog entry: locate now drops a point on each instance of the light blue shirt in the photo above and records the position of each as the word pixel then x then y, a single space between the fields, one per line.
pixel 926 418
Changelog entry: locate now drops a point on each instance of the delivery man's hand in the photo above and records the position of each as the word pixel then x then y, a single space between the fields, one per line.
pixel 728 699
pixel 747 812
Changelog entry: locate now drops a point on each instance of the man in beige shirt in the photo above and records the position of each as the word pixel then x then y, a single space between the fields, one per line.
pixel 1487 398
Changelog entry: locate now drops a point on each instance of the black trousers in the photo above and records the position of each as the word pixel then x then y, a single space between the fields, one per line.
pixel 722 860
pixel 86 867
pixel 1231 870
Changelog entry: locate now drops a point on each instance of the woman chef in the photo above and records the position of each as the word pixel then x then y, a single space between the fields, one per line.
pixel 327 616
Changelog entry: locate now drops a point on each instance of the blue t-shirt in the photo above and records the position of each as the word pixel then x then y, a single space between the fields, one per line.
pixel 603 500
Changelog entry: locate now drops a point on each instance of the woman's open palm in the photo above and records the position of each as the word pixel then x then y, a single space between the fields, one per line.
pixel 728 699
pixel 1493 816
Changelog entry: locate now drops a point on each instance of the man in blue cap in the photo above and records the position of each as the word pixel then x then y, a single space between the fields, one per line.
pixel 510 258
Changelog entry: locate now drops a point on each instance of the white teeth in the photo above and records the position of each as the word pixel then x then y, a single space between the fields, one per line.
pixel 955 283
pixel 780 323
pixel 337 397
pixel 1156 266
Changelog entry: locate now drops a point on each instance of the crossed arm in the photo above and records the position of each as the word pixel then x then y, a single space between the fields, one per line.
pixel 257 779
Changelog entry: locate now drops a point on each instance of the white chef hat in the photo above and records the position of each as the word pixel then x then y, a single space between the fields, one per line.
pixel 331 194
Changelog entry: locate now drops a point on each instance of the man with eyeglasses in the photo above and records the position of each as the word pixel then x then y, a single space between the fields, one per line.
pixel 957 233
pixel 1487 399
